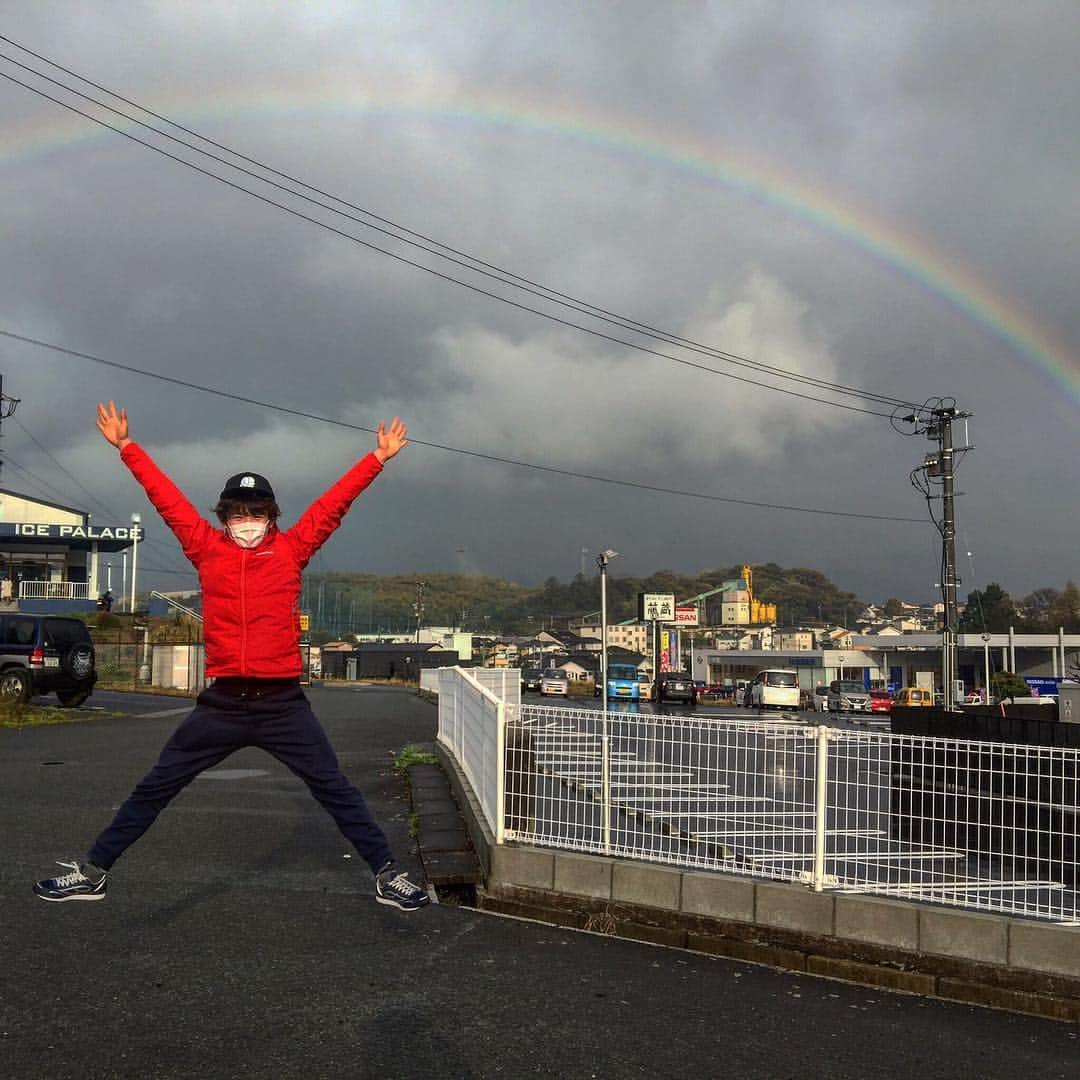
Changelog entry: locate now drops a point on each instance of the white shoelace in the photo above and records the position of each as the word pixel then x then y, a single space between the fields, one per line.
pixel 399 884
pixel 74 878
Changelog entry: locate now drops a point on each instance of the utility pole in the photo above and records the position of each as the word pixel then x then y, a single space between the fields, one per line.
pixel 948 563
pixel 8 405
pixel 937 424
pixel 418 607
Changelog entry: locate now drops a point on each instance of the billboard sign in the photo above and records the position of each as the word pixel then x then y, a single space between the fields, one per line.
pixel 669 650
pixel 657 607
pixel 1040 686
pixel 18 529
pixel 686 615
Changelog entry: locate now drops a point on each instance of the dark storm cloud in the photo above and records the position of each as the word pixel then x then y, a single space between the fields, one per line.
pixel 956 125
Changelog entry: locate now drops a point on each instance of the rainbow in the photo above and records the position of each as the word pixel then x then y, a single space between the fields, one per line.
pixel 910 255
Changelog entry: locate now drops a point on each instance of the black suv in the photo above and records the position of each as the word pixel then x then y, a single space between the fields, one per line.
pixel 44 653
pixel 676 686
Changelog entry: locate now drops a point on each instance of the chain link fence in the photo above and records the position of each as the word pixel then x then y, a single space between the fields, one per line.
pixel 167 659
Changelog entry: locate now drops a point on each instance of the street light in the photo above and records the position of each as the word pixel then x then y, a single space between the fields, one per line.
pixel 605 742
pixel 602 561
pixel 986 668
pixel 840 662
pixel 136 519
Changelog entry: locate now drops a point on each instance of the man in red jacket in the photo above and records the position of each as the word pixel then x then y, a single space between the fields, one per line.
pixel 249 571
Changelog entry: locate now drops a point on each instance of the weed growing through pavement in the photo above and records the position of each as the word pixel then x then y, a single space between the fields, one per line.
pixel 409 756
pixel 19 715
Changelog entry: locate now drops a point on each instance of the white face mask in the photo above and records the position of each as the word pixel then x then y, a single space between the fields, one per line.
pixel 248 534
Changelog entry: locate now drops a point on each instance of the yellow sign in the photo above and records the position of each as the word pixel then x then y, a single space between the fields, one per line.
pixel 305 622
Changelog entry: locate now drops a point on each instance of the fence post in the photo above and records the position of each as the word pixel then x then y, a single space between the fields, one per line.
pixel 605 786
pixel 821 805
pixel 459 723
pixel 500 772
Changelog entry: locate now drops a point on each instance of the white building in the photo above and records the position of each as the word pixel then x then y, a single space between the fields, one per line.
pixel 632 636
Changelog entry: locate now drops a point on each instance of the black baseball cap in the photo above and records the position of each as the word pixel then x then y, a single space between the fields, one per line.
pixel 247 485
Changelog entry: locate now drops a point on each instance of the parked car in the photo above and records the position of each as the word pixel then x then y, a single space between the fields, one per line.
pixel 555 683
pixel 880 701
pixel 530 679
pixel 821 698
pixel 846 695
pixel 41 654
pixel 624 683
pixel 914 696
pixel 774 688
pixel 675 686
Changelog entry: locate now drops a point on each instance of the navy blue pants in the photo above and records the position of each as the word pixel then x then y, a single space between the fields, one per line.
pixel 271 714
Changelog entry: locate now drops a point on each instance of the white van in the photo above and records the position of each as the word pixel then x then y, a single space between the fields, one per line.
pixel 774 688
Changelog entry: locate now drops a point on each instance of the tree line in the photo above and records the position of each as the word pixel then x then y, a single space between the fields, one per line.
pixel 351 603
pixel 992 610
pixel 346 603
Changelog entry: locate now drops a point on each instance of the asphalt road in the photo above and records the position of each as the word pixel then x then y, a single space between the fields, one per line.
pixel 238 940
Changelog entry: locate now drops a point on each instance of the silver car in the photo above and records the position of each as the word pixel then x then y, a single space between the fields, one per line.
pixel 555 682
pixel 848 696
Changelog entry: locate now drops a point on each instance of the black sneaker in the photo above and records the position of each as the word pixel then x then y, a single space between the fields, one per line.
pixel 73 886
pixel 398 891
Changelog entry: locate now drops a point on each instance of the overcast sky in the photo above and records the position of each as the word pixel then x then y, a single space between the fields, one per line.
pixel 881 195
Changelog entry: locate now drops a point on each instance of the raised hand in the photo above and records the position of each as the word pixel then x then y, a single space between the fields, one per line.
pixel 112 425
pixel 391 440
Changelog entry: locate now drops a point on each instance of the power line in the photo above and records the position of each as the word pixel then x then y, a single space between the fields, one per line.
pixel 161 548
pixel 474 264
pixel 90 495
pixel 44 485
pixel 555 470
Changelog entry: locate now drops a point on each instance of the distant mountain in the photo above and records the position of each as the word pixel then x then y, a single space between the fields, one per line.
pixel 343 603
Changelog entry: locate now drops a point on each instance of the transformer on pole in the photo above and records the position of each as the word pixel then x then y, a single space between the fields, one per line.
pixel 939 470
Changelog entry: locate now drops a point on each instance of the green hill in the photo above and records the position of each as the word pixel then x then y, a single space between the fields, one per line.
pixel 342 603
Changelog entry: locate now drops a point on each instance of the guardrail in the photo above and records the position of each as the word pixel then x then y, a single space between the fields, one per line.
pixel 176 604
pixel 976 825
pixel 54 590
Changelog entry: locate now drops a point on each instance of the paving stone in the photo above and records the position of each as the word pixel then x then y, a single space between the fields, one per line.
pixel 429 805
pixel 1045 948
pixel 881 922
pixel 451 867
pixel 794 908
pixel 964 933
pixel 441 821
pixel 583 875
pixel 444 840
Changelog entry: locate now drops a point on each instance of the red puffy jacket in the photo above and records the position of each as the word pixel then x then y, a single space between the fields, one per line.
pixel 251 596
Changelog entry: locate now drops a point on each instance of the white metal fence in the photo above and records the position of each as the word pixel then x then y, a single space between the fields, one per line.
pixel 54 590
pixel 985 826
pixel 472 726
